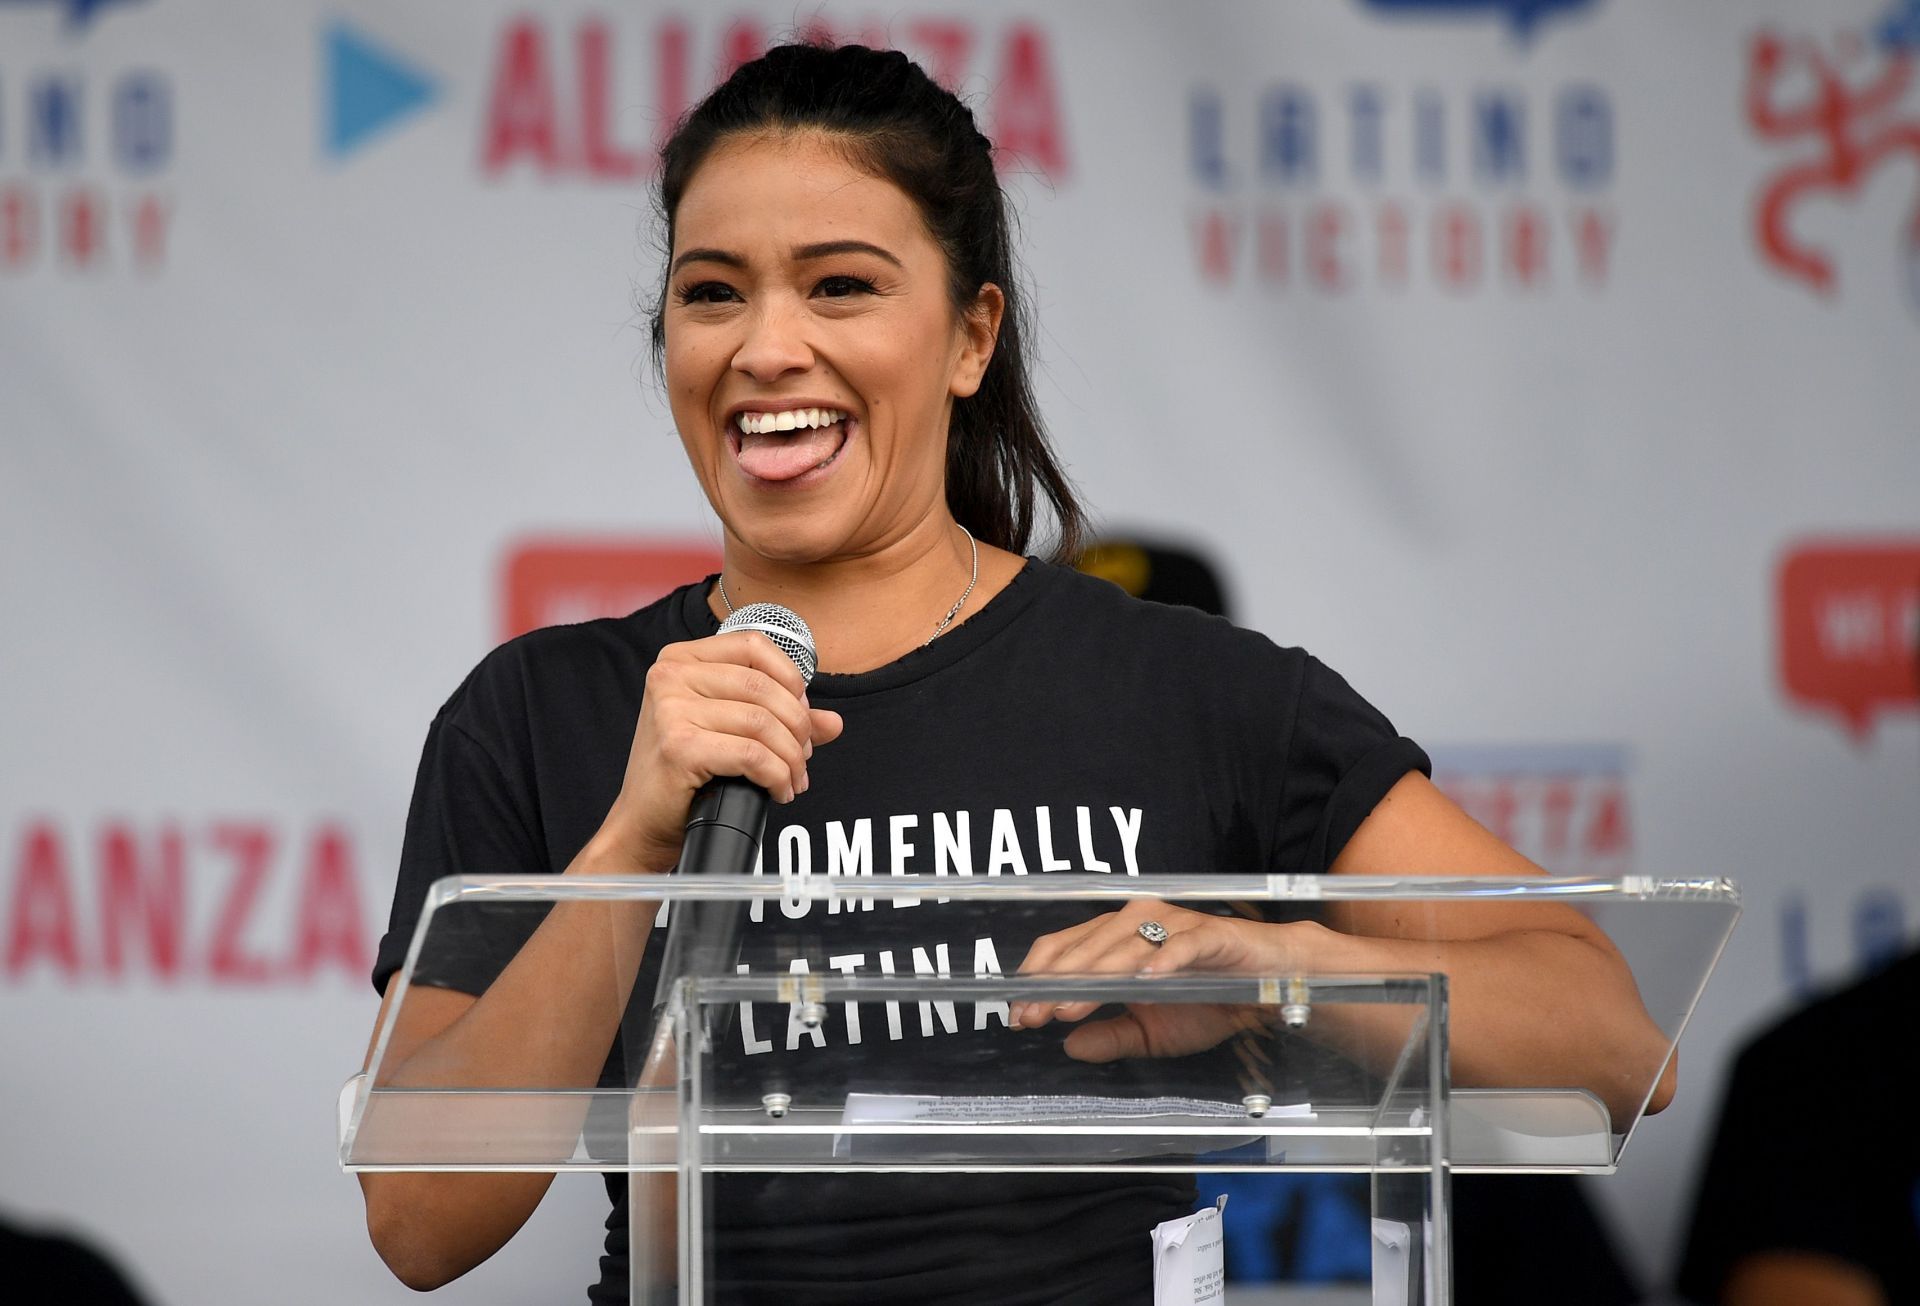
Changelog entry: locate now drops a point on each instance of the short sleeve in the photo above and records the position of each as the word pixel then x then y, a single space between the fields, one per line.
pixel 1342 757
pixel 468 817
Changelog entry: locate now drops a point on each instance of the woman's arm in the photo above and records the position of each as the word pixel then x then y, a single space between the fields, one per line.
pixel 548 1021
pixel 726 705
pixel 1537 994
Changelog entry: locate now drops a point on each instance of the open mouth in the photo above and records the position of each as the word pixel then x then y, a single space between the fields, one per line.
pixel 785 445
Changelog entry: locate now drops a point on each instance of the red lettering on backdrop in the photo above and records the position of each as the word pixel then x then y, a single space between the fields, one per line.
pixel 19 225
pixel 1501 804
pixel 1393 245
pixel 250 845
pixel 1607 833
pixel 41 906
pixel 1216 236
pixel 144 880
pixel 743 42
pixel 525 120
pixel 1026 105
pixel 1271 247
pixel 144 892
pixel 1556 808
pixel 603 156
pixel 1326 228
pixel 81 238
pixel 1571 824
pixel 328 924
pixel 520 111
pixel 150 217
pixel 814 31
pixel 1593 238
pixel 1457 247
pixel 672 95
pixel 1526 245
pixel 945 46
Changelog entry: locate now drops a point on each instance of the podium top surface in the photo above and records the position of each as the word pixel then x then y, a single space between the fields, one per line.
pixel 813 1027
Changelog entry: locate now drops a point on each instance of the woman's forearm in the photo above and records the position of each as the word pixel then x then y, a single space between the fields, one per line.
pixel 547 1021
pixel 1526 1009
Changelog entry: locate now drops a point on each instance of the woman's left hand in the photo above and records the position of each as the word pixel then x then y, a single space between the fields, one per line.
pixel 1113 945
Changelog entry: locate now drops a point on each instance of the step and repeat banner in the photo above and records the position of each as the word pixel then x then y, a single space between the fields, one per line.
pixel 1550 367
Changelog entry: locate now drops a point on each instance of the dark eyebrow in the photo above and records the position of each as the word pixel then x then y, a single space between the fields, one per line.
pixel 802 253
pixel 719 256
pixel 830 248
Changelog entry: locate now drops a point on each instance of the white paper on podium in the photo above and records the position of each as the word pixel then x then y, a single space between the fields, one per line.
pixel 1190 1259
pixel 1021 1125
pixel 1035 1108
pixel 1392 1252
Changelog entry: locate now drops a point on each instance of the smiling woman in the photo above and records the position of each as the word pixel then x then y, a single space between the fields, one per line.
pixel 841 336
pixel 831 300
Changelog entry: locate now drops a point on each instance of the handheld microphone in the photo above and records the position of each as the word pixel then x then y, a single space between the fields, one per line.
pixel 725 824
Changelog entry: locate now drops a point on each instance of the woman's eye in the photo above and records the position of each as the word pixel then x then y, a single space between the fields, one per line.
pixel 844 287
pixel 707 292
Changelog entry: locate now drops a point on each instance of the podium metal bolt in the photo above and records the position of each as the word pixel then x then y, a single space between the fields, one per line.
pixel 777 1104
pixel 813 1014
pixel 1298 1006
pixel 1257 1104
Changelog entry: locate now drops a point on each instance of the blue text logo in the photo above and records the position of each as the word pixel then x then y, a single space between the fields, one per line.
pixel 80 13
pixel 1523 16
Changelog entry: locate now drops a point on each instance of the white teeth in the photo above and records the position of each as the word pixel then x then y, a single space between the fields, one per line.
pixel 792 419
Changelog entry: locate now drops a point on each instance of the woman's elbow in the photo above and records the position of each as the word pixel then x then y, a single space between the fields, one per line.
pixel 411 1258
pixel 405 1239
pixel 1625 1090
pixel 1666 1086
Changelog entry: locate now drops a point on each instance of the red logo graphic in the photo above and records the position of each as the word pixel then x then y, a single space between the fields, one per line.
pixel 1850 628
pixel 551 582
pixel 1853 120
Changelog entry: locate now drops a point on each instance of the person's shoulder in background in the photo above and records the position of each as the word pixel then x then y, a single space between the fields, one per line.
pixel 1811 1191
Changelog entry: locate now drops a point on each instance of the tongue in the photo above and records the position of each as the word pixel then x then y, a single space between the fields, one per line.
pixel 787 454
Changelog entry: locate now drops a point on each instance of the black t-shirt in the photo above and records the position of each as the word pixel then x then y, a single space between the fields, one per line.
pixel 1812 1152
pixel 1065 728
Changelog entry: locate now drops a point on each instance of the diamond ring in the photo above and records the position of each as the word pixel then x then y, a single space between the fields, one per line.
pixel 1153 932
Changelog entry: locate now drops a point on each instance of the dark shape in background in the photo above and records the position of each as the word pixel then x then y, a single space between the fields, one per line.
pixel 69 1271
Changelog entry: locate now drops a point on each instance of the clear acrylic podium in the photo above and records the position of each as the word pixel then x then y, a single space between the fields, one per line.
pixel 908 1065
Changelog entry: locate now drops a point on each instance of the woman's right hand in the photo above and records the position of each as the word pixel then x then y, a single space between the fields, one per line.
pixel 727 705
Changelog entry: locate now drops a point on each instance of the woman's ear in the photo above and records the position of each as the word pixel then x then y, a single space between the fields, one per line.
pixel 981 325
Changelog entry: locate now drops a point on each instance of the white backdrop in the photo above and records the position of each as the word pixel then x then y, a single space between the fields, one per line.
pixel 1450 329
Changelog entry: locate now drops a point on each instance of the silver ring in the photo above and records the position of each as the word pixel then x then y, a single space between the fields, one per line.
pixel 1153 932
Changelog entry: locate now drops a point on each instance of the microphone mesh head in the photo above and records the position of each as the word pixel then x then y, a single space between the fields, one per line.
pixel 781 625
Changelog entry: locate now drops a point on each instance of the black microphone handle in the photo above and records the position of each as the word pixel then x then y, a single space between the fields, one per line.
pixel 724 827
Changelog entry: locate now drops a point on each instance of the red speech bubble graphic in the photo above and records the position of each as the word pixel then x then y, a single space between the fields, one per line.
pixel 556 580
pixel 1850 627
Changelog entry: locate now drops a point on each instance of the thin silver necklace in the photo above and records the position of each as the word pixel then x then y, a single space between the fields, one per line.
pixel 952 612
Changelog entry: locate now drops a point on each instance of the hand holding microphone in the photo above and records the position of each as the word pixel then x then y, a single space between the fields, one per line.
pixel 733 721
pixel 730 706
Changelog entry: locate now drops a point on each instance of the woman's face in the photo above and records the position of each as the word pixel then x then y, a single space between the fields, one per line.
pixel 812 350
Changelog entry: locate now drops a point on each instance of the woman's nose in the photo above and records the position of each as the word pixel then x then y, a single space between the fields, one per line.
pixel 775 344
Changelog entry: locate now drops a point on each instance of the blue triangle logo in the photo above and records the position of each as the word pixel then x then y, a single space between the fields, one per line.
pixel 368 89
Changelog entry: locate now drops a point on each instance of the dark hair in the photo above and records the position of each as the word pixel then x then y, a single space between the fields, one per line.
pixel 896 122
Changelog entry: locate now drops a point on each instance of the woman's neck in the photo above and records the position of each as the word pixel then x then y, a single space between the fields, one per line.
pixel 870 609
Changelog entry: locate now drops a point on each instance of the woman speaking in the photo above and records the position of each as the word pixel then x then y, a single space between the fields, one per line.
pixel 844 347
